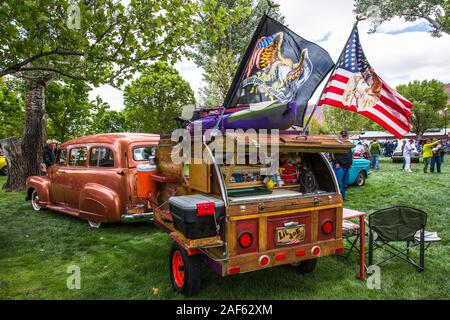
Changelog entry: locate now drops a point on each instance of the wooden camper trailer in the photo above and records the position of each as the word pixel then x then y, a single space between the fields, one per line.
pixel 236 219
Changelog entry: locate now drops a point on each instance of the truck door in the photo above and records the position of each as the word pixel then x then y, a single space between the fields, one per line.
pixel 57 176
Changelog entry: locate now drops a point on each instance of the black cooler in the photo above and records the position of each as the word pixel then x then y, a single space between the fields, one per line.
pixel 197 216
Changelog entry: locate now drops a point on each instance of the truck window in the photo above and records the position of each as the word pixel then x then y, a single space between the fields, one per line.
pixel 143 153
pixel 62 157
pixel 78 157
pixel 101 157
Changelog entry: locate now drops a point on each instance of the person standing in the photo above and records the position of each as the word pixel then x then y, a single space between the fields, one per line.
pixel 426 153
pixel 407 154
pixel 375 151
pixel 342 164
pixel 436 158
pixel 49 153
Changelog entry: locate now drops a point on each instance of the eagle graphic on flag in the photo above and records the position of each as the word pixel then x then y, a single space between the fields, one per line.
pixel 278 66
pixel 355 86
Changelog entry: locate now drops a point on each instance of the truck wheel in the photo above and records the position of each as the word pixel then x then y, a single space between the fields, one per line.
pixel 185 271
pixel 94 224
pixel 35 200
pixel 305 266
pixel 360 179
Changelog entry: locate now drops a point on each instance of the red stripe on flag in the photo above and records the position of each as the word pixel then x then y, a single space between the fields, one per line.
pixel 335 90
pixel 393 118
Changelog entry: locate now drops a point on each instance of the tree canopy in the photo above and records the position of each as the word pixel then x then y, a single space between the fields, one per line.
pixel 11 108
pixel 154 100
pixel 436 12
pixel 429 99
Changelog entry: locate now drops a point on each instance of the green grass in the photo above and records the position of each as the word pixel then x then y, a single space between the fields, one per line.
pixel 126 261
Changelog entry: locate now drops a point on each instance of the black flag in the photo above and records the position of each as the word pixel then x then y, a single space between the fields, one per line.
pixel 280 66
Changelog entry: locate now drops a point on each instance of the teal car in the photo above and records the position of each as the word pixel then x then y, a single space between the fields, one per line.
pixel 359 171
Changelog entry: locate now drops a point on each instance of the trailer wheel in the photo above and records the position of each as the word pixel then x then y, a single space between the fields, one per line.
pixel 185 271
pixel 305 266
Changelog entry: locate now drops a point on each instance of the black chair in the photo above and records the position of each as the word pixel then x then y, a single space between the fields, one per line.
pixel 397 224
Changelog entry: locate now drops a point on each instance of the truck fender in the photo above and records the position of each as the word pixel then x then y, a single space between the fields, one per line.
pixel 100 203
pixel 42 187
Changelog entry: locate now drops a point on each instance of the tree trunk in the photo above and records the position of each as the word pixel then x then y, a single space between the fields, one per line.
pixel 12 149
pixel 24 159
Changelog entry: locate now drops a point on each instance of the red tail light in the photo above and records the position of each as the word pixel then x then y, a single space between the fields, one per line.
pixel 245 239
pixel 315 251
pixel 339 250
pixel 205 209
pixel 300 252
pixel 264 260
pixel 280 256
pixel 327 226
pixel 234 270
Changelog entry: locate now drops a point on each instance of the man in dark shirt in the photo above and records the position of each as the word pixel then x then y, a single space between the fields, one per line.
pixel 49 153
pixel 342 163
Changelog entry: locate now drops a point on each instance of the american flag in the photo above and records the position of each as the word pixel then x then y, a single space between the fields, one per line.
pixel 355 86
pixel 261 45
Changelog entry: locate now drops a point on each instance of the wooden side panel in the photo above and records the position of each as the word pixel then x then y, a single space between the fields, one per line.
pixel 199 177
pixel 262 233
pixel 314 225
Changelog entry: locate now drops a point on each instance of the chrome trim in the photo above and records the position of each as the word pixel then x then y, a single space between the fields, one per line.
pixel 328 163
pixel 134 217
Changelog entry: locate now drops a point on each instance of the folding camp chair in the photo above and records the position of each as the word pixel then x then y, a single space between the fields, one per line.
pixel 350 233
pixel 397 224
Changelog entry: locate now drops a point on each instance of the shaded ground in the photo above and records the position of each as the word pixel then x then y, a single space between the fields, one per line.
pixel 128 261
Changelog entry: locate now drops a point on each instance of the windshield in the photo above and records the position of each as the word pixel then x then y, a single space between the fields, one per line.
pixel 143 153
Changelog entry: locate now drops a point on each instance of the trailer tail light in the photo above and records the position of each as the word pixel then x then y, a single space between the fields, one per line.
pixel 264 260
pixel 300 252
pixel 205 209
pixel 246 239
pixel 339 250
pixel 327 226
pixel 234 270
pixel 315 251
pixel 280 256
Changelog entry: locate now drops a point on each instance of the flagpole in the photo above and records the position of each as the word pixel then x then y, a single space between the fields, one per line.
pixel 358 19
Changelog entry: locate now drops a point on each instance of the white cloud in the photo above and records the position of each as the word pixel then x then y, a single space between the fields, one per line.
pixel 398 58
pixel 109 94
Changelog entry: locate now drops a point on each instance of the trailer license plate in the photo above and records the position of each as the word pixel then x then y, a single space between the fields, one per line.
pixel 290 235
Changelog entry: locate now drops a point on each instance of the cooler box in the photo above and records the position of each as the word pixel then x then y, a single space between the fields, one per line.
pixel 145 185
pixel 195 216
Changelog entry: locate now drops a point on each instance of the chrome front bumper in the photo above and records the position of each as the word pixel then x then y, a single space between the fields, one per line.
pixel 135 217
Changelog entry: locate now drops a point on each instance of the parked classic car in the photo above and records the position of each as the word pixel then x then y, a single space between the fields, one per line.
pixel 94 178
pixel 397 155
pixel 3 166
pixel 359 171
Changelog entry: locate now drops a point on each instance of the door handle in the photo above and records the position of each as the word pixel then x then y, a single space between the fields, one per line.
pixel 120 172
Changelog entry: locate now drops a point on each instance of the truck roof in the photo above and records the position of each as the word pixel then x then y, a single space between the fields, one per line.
pixel 113 137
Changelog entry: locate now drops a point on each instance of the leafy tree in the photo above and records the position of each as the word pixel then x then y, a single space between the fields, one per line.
pixel 155 99
pixel 100 41
pixel 11 108
pixel 315 127
pixel 436 12
pixel 429 99
pixel 337 119
pixel 217 77
pixel 220 59
pixel 68 108
pixel 106 120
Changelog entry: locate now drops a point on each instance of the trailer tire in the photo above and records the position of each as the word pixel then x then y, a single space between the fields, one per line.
pixel 185 271
pixel 306 266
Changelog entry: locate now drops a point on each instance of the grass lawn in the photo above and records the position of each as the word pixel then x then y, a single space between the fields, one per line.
pixel 130 261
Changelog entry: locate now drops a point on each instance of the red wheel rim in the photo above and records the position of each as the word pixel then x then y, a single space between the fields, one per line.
pixel 178 268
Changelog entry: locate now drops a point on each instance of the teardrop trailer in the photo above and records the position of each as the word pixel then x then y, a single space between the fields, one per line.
pixel 233 219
